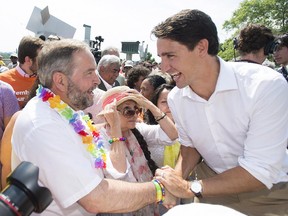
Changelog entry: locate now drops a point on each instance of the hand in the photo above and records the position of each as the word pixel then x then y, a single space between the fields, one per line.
pixel 173 182
pixel 143 102
pixel 170 201
pixel 111 114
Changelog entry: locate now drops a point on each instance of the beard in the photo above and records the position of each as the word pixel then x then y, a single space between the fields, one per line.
pixel 79 99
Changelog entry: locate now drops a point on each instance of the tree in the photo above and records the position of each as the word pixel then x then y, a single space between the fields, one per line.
pixel 149 57
pixel 271 13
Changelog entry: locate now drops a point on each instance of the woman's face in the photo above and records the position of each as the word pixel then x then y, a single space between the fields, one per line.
pixel 138 83
pixel 146 89
pixel 129 112
pixel 162 103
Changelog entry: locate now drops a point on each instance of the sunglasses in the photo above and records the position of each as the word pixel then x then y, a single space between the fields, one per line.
pixel 127 112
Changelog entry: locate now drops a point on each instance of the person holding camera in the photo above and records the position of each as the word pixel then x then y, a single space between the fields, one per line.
pixel 53 133
pixel 231 119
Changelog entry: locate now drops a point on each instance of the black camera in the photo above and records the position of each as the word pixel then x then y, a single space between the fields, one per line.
pixel 22 195
pixel 271 47
pixel 96 48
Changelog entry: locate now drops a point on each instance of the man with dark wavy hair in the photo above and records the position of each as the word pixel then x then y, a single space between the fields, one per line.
pixel 255 43
pixel 233 115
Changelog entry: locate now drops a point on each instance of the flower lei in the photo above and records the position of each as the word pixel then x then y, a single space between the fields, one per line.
pixel 81 124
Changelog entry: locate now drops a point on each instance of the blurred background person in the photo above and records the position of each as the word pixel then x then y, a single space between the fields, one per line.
pixel 281 55
pixel 255 43
pixel 162 155
pixel 136 75
pixel 23 76
pixel 110 50
pixel 14 61
pixel 149 85
pixel 108 70
pixel 128 64
pixel 2 65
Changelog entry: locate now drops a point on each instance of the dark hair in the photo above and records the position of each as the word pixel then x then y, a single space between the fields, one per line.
pixel 148 116
pixel 135 73
pixel 188 27
pixel 143 144
pixel 29 46
pixel 253 37
pixel 283 40
pixel 156 80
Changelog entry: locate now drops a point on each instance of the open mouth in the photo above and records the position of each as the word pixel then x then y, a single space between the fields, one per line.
pixel 175 76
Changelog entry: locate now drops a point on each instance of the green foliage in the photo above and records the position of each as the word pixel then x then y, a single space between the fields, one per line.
pixel 227 51
pixel 149 58
pixel 271 13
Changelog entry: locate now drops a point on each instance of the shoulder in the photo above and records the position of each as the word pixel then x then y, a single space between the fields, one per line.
pixel 117 83
pixel 4 86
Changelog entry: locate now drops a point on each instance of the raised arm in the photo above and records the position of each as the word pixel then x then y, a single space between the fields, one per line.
pixel 166 124
pixel 117 152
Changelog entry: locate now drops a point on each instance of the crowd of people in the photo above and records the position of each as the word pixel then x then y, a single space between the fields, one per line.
pixel 134 139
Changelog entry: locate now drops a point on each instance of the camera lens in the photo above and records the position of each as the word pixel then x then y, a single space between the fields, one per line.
pixel 22 195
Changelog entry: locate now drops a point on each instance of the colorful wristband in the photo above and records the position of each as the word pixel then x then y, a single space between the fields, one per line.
pixel 160 191
pixel 116 139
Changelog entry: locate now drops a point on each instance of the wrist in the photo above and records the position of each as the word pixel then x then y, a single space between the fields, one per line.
pixel 160 117
pixel 117 139
pixel 160 191
pixel 196 187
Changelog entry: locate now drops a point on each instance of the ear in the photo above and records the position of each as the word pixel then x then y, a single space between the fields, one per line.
pixel 28 60
pixel 102 68
pixel 202 47
pixel 60 81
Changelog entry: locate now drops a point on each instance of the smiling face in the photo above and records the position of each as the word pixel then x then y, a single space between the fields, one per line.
pixel 110 72
pixel 128 121
pixel 83 81
pixel 181 63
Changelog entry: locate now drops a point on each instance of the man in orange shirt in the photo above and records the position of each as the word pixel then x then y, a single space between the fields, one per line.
pixel 22 77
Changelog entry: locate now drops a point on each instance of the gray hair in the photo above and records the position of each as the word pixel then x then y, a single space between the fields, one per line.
pixel 58 56
pixel 107 60
pixel 110 51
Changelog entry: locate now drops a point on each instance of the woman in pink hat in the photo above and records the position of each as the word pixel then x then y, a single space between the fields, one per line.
pixel 121 107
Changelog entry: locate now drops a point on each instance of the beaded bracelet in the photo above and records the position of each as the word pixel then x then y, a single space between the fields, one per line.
pixel 160 191
pixel 116 139
pixel 160 118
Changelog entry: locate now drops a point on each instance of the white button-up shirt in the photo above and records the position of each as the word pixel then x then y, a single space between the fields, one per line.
pixel 244 122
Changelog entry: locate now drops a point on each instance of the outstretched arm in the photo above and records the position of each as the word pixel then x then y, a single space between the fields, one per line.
pixel 115 196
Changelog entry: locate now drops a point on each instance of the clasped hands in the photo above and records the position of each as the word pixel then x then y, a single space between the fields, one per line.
pixel 175 186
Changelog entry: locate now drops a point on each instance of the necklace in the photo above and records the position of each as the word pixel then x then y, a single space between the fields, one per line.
pixel 81 124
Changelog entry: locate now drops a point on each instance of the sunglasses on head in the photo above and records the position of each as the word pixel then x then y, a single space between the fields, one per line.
pixel 127 112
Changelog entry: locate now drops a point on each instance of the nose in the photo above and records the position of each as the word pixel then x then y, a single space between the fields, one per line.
pixel 164 65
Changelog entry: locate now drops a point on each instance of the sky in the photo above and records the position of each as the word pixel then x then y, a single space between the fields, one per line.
pixel 115 20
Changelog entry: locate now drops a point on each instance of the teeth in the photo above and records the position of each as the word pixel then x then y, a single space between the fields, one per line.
pixel 173 75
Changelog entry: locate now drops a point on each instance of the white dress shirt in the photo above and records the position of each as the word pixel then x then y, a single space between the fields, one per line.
pixel 244 122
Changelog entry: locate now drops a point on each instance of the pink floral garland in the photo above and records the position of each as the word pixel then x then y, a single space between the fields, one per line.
pixel 81 124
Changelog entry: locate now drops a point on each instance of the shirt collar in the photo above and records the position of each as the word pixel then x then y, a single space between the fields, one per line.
pixel 226 80
pixel 107 85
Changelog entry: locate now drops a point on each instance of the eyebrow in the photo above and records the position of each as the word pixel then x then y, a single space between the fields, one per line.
pixel 166 53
